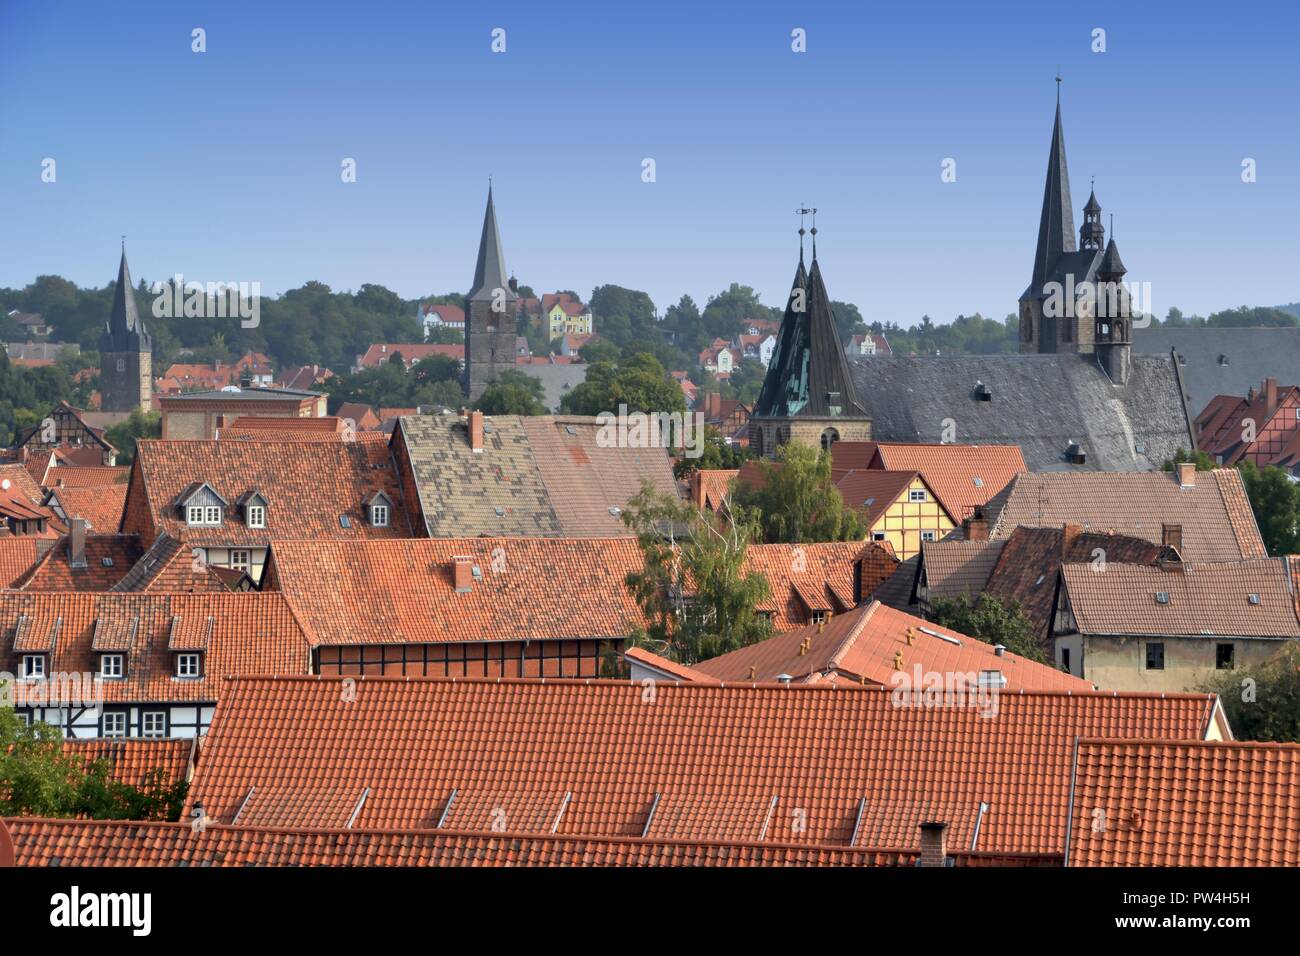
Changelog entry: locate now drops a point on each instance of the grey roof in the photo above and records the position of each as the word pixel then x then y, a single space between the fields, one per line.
pixel 557 381
pixel 125 331
pixel 490 269
pixel 1056 224
pixel 1224 361
pixel 236 394
pixel 1111 266
pixel 808 365
pixel 1042 403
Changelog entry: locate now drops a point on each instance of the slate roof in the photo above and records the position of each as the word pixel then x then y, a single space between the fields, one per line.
pixel 727 763
pixel 1217 523
pixel 490 268
pixel 1042 403
pixel 868 645
pixel 125 331
pixel 102 843
pixel 1204 599
pixel 252 633
pixel 309 485
pixel 534 588
pixel 1179 803
pixel 1056 222
pixel 539 475
pixel 1223 361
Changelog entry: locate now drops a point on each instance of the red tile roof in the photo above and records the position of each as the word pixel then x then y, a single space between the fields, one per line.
pixel 962 477
pixel 135 762
pixel 284 429
pixel 411 353
pixel 1179 803
pixel 17 555
pixel 871 493
pixel 535 588
pixel 110 843
pixel 53 572
pixel 812 765
pixel 667 668
pixel 251 633
pixel 875 644
pixel 101 508
pixel 309 486
pixel 85 476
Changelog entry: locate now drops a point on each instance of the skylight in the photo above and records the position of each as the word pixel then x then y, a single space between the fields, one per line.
pixel 1162 597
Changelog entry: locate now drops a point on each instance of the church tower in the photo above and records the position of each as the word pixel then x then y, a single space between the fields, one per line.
pixel 1114 316
pixel 490 325
pixel 125 352
pixel 808 393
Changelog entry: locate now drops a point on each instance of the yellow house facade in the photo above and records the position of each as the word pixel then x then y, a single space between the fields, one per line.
pixel 559 322
pixel 899 507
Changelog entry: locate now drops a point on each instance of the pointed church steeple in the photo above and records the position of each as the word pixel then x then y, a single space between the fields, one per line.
pixel 1056 224
pixel 490 270
pixel 125 351
pixel 125 331
pixel 1092 233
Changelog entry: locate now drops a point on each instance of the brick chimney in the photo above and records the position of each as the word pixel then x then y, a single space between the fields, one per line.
pixel 1069 534
pixel 697 488
pixel 462 574
pixel 713 406
pixel 934 844
pixel 77 543
pixel 976 526
pixel 1186 474
pixel 1270 396
pixel 476 432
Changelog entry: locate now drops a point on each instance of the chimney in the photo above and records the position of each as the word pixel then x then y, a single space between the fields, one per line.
pixel 976 527
pixel 462 574
pixel 934 844
pixel 1270 396
pixel 999 650
pixel 77 543
pixel 697 489
pixel 1186 474
pixel 476 432
pixel 1069 534
pixel 714 405
pixel 1251 395
pixel 1171 536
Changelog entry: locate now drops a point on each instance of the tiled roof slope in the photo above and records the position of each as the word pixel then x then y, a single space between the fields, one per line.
pixel 284 429
pixel 392 592
pixel 101 508
pixel 87 476
pixel 669 668
pixel 1042 403
pixel 961 476
pixel 20 481
pixel 590 757
pixel 100 843
pixel 17 555
pixel 954 568
pixel 251 634
pixel 872 492
pixel 869 643
pixel 308 485
pixel 134 762
pixel 1204 600
pixel 543 475
pixel 54 572
pixel 1217 524
pixel 169 566
pixel 1179 803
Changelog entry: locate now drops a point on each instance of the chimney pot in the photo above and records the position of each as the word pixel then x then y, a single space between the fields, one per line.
pixel 462 572
pixel 976 527
pixel 934 844
pixel 476 431
pixel 1186 474
pixel 1000 650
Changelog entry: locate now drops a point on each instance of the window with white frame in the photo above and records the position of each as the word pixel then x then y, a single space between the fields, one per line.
pixel 927 535
pixel 34 666
pixel 256 516
pixel 916 494
pixel 877 536
pixel 113 724
pixel 212 514
pixel 111 665
pixel 203 514
pixel 153 723
pixel 187 665
pixel 379 516
pixel 239 560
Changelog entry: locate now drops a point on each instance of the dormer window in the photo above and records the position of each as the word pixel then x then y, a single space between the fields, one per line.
pixel 189 666
pixel 379 515
pixel 256 516
pixel 378 509
pixel 112 666
pixel 33 666
pixel 202 506
pixel 253 507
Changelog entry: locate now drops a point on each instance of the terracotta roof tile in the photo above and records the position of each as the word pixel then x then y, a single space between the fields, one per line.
pixel 54 572
pixel 133 762
pixel 17 555
pixel 100 507
pixel 868 644
pixel 610 750
pixel 873 492
pixel 961 476
pixel 86 476
pixel 101 843
pixel 1214 527
pixel 954 568
pixel 1201 600
pixel 1179 803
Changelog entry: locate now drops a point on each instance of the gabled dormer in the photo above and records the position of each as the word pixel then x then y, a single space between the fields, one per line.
pixel 253 508
pixel 378 509
pixel 201 506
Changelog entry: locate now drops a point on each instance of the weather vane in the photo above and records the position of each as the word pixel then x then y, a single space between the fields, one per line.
pixel 805 211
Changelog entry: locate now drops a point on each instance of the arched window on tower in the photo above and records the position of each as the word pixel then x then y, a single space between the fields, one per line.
pixel 829 437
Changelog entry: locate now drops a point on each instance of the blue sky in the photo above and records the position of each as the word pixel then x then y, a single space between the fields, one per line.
pixel 225 165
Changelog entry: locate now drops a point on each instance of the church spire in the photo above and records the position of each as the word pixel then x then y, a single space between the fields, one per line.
pixel 1056 225
pixel 1092 233
pixel 125 331
pixel 490 270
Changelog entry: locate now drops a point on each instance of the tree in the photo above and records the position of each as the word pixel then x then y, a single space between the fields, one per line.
pixel 989 620
pixel 600 350
pixel 124 435
pixel 1276 503
pixel 1262 702
pixel 638 382
pixel 717 454
pixel 38 779
pixel 796 501
pixel 1181 455
pixel 513 393
pixel 693 589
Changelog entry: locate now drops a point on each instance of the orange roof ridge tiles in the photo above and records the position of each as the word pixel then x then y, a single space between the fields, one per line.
pixel 1145 802
pixel 867 645
pixel 104 843
pixel 715 755
pixel 962 477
